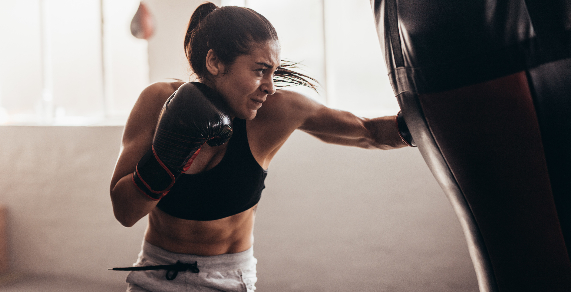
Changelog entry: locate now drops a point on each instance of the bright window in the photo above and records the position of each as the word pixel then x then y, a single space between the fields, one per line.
pixel 69 62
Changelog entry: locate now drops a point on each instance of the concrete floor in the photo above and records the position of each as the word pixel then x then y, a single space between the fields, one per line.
pixel 45 283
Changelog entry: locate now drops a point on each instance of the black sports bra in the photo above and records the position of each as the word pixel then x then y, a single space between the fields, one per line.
pixel 234 185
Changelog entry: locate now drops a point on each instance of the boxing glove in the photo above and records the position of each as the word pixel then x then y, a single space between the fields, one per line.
pixel 403 131
pixel 192 116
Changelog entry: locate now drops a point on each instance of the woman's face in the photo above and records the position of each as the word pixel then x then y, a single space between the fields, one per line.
pixel 246 83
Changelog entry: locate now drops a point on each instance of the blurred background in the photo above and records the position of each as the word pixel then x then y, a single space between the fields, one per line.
pixel 331 218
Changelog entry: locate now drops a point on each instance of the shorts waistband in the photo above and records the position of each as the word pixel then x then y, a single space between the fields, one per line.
pixel 230 261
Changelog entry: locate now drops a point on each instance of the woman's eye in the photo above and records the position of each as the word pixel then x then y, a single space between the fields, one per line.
pixel 261 71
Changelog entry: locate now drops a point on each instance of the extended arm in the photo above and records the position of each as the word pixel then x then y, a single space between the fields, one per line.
pixel 344 128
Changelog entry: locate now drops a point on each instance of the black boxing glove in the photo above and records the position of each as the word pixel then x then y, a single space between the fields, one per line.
pixel 191 116
pixel 403 131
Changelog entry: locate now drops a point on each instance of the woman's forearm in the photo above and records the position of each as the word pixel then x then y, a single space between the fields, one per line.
pixel 129 203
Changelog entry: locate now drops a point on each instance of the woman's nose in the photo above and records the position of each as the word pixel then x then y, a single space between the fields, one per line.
pixel 269 87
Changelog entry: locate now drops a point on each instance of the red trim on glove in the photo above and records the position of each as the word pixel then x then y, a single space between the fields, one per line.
pixel 162 194
pixel 189 162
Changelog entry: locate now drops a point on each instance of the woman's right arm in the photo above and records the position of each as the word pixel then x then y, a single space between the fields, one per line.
pixel 129 203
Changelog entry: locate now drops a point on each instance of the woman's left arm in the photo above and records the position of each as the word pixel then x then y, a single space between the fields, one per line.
pixel 344 128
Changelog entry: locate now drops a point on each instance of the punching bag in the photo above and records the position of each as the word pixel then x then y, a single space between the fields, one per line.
pixel 143 24
pixel 485 89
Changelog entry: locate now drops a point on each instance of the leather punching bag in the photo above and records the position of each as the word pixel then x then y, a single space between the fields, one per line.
pixel 485 88
pixel 143 24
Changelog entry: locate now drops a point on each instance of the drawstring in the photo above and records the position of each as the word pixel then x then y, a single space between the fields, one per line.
pixel 172 270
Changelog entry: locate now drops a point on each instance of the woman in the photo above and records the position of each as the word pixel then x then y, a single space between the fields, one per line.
pixel 202 206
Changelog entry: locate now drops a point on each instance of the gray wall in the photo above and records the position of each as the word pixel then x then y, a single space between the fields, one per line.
pixel 331 218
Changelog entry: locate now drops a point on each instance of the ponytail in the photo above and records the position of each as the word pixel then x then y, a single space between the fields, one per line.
pixel 288 74
pixel 193 26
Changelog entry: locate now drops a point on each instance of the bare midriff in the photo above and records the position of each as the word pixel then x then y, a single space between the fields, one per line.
pixel 206 238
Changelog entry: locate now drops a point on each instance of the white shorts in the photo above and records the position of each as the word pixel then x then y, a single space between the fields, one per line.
pixel 228 272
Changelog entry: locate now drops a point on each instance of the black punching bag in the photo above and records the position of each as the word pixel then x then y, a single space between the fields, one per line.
pixel 485 88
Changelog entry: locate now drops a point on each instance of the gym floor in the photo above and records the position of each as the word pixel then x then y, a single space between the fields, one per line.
pixel 37 283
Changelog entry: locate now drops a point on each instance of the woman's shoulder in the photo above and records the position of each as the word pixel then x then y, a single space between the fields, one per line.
pixel 286 104
pixel 280 115
pixel 287 95
pixel 282 101
pixel 158 92
pixel 162 88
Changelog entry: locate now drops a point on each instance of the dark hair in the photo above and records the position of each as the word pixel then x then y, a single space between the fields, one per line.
pixel 230 31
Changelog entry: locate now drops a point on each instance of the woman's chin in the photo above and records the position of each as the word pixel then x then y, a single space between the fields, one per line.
pixel 252 115
pixel 247 115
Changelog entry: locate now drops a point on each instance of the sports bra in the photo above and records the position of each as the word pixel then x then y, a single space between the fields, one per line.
pixel 234 185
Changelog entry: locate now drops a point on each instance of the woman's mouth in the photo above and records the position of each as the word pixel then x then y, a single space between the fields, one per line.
pixel 257 103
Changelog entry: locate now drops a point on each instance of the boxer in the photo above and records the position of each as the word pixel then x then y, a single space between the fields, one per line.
pixel 195 155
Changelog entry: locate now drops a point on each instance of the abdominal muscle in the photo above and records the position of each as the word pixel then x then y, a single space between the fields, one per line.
pixel 206 238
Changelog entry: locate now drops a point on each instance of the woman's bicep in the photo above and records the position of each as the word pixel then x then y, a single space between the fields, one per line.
pixel 138 132
pixel 301 112
pixel 323 121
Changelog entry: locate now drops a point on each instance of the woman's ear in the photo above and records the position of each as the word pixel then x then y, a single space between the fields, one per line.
pixel 213 63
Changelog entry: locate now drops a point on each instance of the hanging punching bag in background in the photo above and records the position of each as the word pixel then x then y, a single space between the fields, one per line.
pixel 485 88
pixel 142 24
